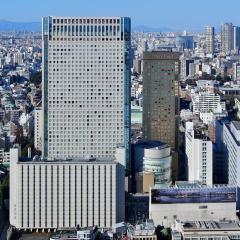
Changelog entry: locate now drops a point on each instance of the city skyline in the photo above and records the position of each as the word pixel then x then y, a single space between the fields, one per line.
pixel 120 120
pixel 183 15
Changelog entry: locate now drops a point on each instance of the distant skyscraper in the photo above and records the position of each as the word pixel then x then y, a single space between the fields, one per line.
pixel 236 34
pixel 160 96
pixel 209 34
pixel 236 71
pixel 184 42
pixel 86 111
pixel 185 63
pixel 227 38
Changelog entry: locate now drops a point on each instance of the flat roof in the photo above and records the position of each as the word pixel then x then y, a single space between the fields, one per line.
pixel 183 184
pixel 210 225
pixel 236 124
pixel 67 161
pixel 194 185
pixel 151 144
pixel 161 55
pixel 230 132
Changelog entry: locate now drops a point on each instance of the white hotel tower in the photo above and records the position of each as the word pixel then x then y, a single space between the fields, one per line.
pixel 86 76
pixel 86 112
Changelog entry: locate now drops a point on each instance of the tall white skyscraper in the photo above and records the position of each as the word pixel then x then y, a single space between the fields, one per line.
pixel 209 34
pixel 86 87
pixel 86 114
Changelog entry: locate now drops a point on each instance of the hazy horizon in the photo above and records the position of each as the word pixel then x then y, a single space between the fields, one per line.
pixel 175 14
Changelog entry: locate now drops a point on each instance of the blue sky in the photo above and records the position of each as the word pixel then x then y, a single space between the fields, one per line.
pixel 175 14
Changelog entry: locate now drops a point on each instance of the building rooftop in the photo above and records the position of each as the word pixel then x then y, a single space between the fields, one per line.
pixel 228 126
pixel 195 185
pixel 232 88
pixel 161 55
pixel 38 160
pixel 144 228
pixel 236 124
pixel 209 225
pixel 152 144
pixel 199 134
pixel 184 184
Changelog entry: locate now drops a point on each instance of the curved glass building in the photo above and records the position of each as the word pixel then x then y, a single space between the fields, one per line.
pixel 155 157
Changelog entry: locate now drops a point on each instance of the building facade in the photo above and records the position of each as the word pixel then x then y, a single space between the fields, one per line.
pixel 236 71
pixel 207 230
pixel 161 72
pixel 86 76
pixel 231 145
pixel 38 128
pixel 236 39
pixel 184 42
pixel 86 128
pixel 227 38
pixel 158 160
pixel 209 34
pixel 207 102
pixel 190 201
pixel 64 194
pixel 199 156
pixel 153 157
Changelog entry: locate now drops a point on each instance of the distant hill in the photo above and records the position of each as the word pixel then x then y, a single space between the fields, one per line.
pixel 142 28
pixel 8 26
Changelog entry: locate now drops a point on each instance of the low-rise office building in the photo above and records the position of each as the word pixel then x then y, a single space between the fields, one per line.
pixel 144 231
pixel 207 230
pixel 47 195
pixel 207 102
pixel 191 201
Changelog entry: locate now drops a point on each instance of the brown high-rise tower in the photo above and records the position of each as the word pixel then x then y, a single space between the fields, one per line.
pixel 160 96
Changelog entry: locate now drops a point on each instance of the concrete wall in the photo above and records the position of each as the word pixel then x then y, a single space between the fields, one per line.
pixel 166 214
pixel 56 195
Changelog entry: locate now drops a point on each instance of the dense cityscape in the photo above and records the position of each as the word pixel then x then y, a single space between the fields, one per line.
pixel 111 133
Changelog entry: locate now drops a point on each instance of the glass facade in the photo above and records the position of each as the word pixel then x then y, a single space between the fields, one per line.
pixel 126 22
pixel 193 195
pixel 161 167
pixel 46 30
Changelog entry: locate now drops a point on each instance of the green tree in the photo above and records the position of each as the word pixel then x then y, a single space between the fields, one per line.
pixel 29 89
pixel 4 189
pixel 24 152
pixel 36 78
pixel 231 102
pixel 219 78
pixel 166 234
